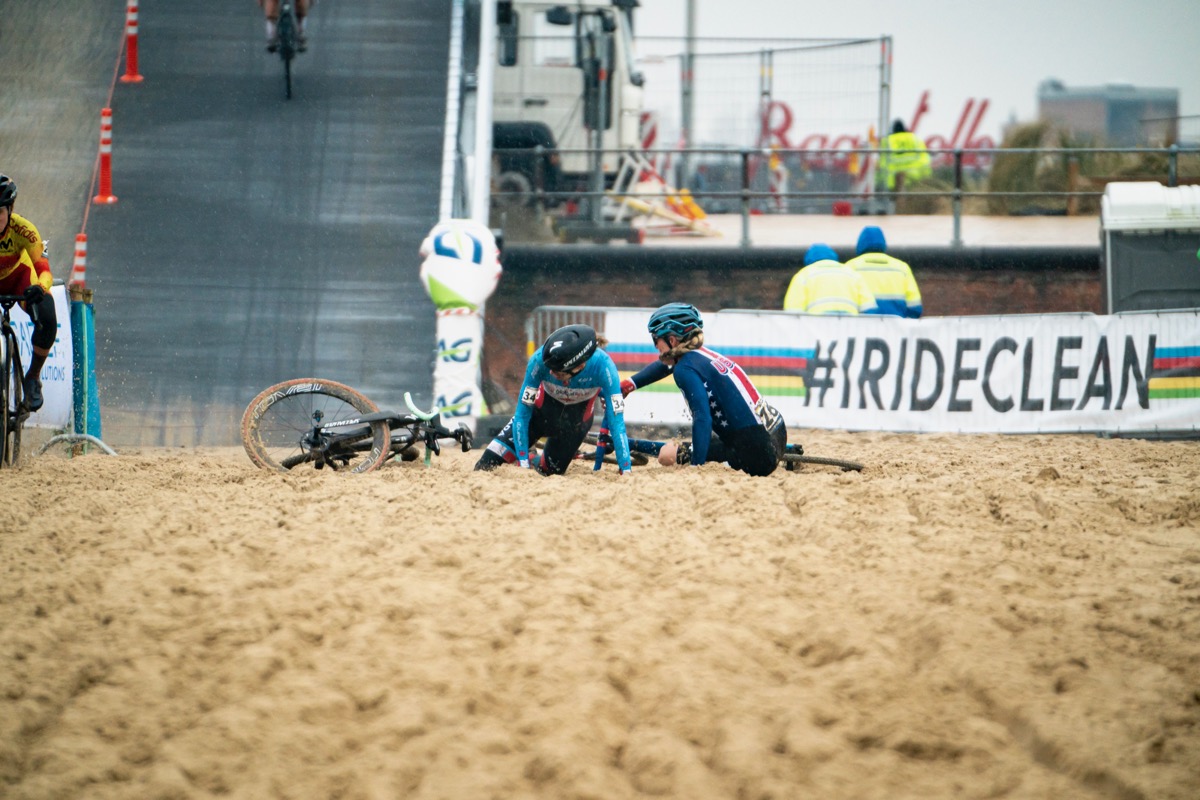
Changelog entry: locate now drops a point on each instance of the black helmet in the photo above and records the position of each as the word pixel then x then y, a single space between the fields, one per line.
pixel 569 347
pixel 8 191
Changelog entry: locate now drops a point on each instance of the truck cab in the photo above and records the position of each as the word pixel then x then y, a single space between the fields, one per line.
pixel 565 72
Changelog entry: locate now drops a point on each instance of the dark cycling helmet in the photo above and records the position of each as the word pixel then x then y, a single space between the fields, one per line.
pixel 8 191
pixel 569 347
pixel 678 319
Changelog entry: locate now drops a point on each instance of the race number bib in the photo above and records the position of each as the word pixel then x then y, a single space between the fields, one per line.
pixel 767 414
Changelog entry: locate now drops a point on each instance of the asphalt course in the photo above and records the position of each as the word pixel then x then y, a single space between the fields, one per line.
pixel 257 239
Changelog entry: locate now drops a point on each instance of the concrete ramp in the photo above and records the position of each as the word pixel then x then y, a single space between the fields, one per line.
pixel 257 238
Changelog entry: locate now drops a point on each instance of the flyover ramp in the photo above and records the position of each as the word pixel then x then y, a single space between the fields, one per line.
pixel 256 238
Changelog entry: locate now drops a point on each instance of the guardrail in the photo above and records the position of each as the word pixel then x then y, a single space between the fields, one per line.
pixel 750 181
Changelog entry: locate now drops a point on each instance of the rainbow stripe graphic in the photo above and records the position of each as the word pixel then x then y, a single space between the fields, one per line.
pixel 1175 373
pixel 775 371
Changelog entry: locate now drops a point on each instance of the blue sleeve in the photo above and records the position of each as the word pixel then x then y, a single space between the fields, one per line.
pixel 692 386
pixel 614 411
pixel 914 312
pixel 651 373
pixel 529 392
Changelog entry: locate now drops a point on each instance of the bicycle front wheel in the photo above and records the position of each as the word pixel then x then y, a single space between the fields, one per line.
pixel 10 403
pixel 287 47
pixel 278 422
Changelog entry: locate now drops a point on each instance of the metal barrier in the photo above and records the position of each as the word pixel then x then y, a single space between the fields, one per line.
pixel 746 181
pixel 545 320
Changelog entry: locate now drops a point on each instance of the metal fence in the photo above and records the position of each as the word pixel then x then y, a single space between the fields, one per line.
pixel 748 92
pixel 749 181
pixel 545 320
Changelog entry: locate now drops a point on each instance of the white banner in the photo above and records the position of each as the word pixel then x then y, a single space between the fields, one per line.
pixel 456 373
pixel 460 270
pixel 58 370
pixel 1051 373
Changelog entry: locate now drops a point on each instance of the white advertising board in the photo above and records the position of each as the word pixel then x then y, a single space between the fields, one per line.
pixel 58 372
pixel 1052 373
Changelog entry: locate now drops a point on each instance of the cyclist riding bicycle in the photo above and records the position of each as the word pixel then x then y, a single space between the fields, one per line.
pixel 271 12
pixel 750 435
pixel 25 270
pixel 563 381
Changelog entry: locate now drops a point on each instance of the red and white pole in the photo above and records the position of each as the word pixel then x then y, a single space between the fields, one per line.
pixel 79 268
pixel 105 195
pixel 131 43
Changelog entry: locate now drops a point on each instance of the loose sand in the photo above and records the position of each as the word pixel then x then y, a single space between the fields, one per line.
pixel 972 616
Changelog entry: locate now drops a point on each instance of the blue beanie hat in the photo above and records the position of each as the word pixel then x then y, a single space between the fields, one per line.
pixel 871 241
pixel 819 252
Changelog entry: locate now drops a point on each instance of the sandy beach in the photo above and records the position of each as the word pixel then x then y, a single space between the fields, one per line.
pixel 970 617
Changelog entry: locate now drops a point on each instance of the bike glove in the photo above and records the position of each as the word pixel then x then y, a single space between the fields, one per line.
pixel 627 387
pixel 34 294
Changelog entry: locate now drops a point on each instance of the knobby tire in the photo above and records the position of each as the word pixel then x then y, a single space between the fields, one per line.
pixel 790 459
pixel 287 46
pixel 277 420
pixel 11 398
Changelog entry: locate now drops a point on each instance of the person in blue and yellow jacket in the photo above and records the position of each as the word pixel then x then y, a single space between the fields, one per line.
pixel 891 280
pixel 25 271
pixel 827 286
pixel 905 154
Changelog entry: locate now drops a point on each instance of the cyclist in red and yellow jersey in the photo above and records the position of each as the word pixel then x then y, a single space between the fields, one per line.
pixel 25 270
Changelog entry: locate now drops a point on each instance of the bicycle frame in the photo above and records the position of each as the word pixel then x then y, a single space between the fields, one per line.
pixel 354 435
pixel 304 421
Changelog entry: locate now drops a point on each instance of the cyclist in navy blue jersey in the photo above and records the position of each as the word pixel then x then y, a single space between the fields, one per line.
pixel 563 382
pixel 749 433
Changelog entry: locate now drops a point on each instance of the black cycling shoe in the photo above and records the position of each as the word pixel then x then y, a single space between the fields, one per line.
pixel 273 44
pixel 33 392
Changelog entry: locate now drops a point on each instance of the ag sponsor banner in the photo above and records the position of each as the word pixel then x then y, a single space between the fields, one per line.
pixel 456 372
pixel 57 374
pixel 1051 373
pixel 460 270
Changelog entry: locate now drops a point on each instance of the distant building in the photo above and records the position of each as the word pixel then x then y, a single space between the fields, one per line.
pixel 1116 115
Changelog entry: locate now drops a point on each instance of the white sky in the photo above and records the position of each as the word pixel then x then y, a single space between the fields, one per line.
pixel 962 49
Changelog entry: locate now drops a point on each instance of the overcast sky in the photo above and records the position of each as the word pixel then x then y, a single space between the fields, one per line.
pixel 962 49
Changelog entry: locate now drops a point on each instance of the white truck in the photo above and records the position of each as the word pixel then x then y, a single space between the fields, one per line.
pixel 564 72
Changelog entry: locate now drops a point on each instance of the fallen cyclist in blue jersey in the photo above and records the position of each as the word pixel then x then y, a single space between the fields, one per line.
pixel 731 421
pixel 563 381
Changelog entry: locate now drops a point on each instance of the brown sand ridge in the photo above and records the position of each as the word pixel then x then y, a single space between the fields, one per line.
pixel 972 616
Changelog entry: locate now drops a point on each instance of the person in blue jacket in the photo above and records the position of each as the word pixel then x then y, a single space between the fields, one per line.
pixel 889 279
pixel 564 380
pixel 731 421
